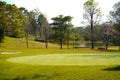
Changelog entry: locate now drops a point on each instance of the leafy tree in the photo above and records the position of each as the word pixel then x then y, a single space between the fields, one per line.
pixel 60 25
pixel 115 16
pixel 3 18
pixel 93 15
pixel 15 23
pixel 108 33
pixel 77 34
pixel 33 23
pixel 26 23
pixel 43 28
pixel 39 26
pixel 10 18
pixel 99 34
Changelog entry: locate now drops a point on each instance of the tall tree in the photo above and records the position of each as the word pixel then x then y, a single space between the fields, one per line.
pixel 108 32
pixel 60 25
pixel 93 15
pixel 15 21
pixel 76 35
pixel 43 28
pixel 3 18
pixel 33 17
pixel 26 23
pixel 115 16
pixel 10 18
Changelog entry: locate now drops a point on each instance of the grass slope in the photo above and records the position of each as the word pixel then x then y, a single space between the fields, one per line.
pixel 14 71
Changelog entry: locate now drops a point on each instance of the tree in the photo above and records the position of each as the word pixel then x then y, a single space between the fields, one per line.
pixel 14 24
pixel 26 23
pixel 3 18
pixel 93 15
pixel 115 16
pixel 33 16
pixel 77 35
pixel 60 25
pixel 108 33
pixel 43 28
pixel 11 19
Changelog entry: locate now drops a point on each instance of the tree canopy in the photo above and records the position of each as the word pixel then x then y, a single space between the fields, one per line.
pixel 60 25
pixel 92 14
pixel 115 17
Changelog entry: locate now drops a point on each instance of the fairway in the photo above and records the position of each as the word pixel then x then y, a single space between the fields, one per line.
pixel 69 59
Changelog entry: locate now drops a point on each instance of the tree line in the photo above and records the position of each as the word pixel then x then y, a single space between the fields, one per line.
pixel 19 22
pixel 111 28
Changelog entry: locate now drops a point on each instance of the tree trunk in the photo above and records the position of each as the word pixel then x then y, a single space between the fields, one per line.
pixel 0 44
pixel 46 39
pixel 61 43
pixel 46 44
pixel 92 33
pixel 106 48
pixel 119 41
pixel 27 39
pixel 73 41
pixel 67 39
pixel 119 47
pixel 107 42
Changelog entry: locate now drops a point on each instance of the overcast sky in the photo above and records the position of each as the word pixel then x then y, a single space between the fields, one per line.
pixel 74 8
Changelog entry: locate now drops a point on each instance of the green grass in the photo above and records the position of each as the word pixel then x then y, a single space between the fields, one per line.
pixel 68 59
pixel 16 71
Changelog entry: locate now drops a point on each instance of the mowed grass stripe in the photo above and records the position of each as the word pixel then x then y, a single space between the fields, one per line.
pixel 68 59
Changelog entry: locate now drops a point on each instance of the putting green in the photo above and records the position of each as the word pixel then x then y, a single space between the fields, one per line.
pixel 69 59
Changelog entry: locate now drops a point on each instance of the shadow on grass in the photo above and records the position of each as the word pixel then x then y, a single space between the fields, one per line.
pixel 116 68
pixel 34 76
pixel 109 50
pixel 112 50
pixel 20 78
pixel 41 77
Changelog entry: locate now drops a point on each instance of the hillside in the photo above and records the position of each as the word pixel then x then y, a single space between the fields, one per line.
pixel 15 44
pixel 19 45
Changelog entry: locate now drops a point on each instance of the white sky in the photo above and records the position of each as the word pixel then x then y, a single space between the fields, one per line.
pixel 74 8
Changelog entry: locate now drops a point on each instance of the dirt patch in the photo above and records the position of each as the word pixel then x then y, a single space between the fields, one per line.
pixel 10 53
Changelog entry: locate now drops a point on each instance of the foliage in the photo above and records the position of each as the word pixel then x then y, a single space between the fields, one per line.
pixel 78 33
pixel 98 33
pixel 115 16
pixel 33 22
pixel 11 19
pixel 18 22
pixel 39 26
pixel 93 15
pixel 44 29
pixel 26 23
pixel 92 12
pixel 60 25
